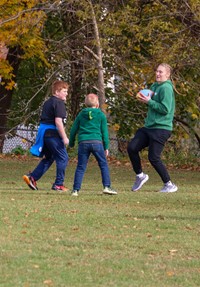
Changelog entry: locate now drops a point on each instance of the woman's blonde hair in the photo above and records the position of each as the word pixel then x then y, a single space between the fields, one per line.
pixel 91 101
pixel 168 68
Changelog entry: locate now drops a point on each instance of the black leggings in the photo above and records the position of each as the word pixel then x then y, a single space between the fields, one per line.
pixel 155 139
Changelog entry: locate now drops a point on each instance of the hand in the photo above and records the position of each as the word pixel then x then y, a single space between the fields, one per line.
pixel 66 141
pixel 106 152
pixel 144 99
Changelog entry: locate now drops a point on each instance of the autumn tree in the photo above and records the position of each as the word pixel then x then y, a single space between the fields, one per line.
pixel 140 35
pixel 20 33
pixel 120 42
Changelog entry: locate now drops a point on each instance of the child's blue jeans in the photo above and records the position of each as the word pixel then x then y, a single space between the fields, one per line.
pixel 54 150
pixel 84 151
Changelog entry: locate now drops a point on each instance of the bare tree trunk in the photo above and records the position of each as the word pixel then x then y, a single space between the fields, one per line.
pixel 190 129
pixel 77 73
pixel 5 102
pixel 99 57
pixel 6 95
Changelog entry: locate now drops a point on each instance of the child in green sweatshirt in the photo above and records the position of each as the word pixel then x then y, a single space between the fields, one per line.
pixel 93 138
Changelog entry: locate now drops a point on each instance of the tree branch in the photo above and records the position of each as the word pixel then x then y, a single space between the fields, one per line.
pixel 190 128
pixel 91 52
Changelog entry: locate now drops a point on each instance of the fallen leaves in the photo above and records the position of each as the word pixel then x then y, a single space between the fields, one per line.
pixel 48 282
pixel 170 273
pixel 173 251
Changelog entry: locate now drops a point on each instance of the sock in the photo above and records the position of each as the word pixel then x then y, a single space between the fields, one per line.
pixel 169 182
pixel 140 174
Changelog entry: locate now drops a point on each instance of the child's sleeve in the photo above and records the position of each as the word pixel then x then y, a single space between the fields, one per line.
pixel 73 132
pixel 104 131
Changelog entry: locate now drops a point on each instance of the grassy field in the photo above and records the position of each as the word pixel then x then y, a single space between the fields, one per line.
pixel 140 239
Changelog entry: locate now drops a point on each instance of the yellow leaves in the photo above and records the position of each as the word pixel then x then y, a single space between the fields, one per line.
pixel 6 70
pixel 19 19
pixel 193 111
pixel 116 127
pixel 194 116
pixel 137 48
pixel 195 7
pixel 26 27
pixel 4 65
pixel 21 25
pixel 32 46
pixel 10 85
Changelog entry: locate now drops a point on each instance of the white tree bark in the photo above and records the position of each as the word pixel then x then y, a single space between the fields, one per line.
pixel 99 57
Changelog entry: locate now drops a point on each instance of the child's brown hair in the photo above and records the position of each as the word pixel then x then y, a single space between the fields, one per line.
pixel 58 86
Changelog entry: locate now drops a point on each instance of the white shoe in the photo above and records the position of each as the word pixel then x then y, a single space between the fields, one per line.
pixel 169 187
pixel 109 190
pixel 139 182
pixel 74 193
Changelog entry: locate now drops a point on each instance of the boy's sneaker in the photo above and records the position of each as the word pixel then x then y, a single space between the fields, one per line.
pixel 169 187
pixel 139 182
pixel 74 193
pixel 60 188
pixel 109 190
pixel 30 181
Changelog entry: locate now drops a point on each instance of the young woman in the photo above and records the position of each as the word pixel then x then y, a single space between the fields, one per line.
pixel 156 131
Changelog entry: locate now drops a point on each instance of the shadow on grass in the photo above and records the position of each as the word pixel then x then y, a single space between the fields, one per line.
pixel 45 192
pixel 166 217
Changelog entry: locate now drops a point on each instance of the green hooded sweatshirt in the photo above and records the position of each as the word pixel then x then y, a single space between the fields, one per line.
pixel 161 107
pixel 90 124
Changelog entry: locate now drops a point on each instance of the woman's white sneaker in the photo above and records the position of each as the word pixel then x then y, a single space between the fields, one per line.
pixel 169 187
pixel 140 180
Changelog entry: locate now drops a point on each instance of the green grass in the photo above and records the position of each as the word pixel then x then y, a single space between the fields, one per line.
pixel 137 239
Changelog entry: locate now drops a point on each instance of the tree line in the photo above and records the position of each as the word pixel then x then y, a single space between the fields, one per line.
pixel 107 47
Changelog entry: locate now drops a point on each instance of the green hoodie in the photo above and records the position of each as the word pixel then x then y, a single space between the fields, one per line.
pixel 161 107
pixel 90 124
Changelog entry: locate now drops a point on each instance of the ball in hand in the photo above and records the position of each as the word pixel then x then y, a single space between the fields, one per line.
pixel 144 92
